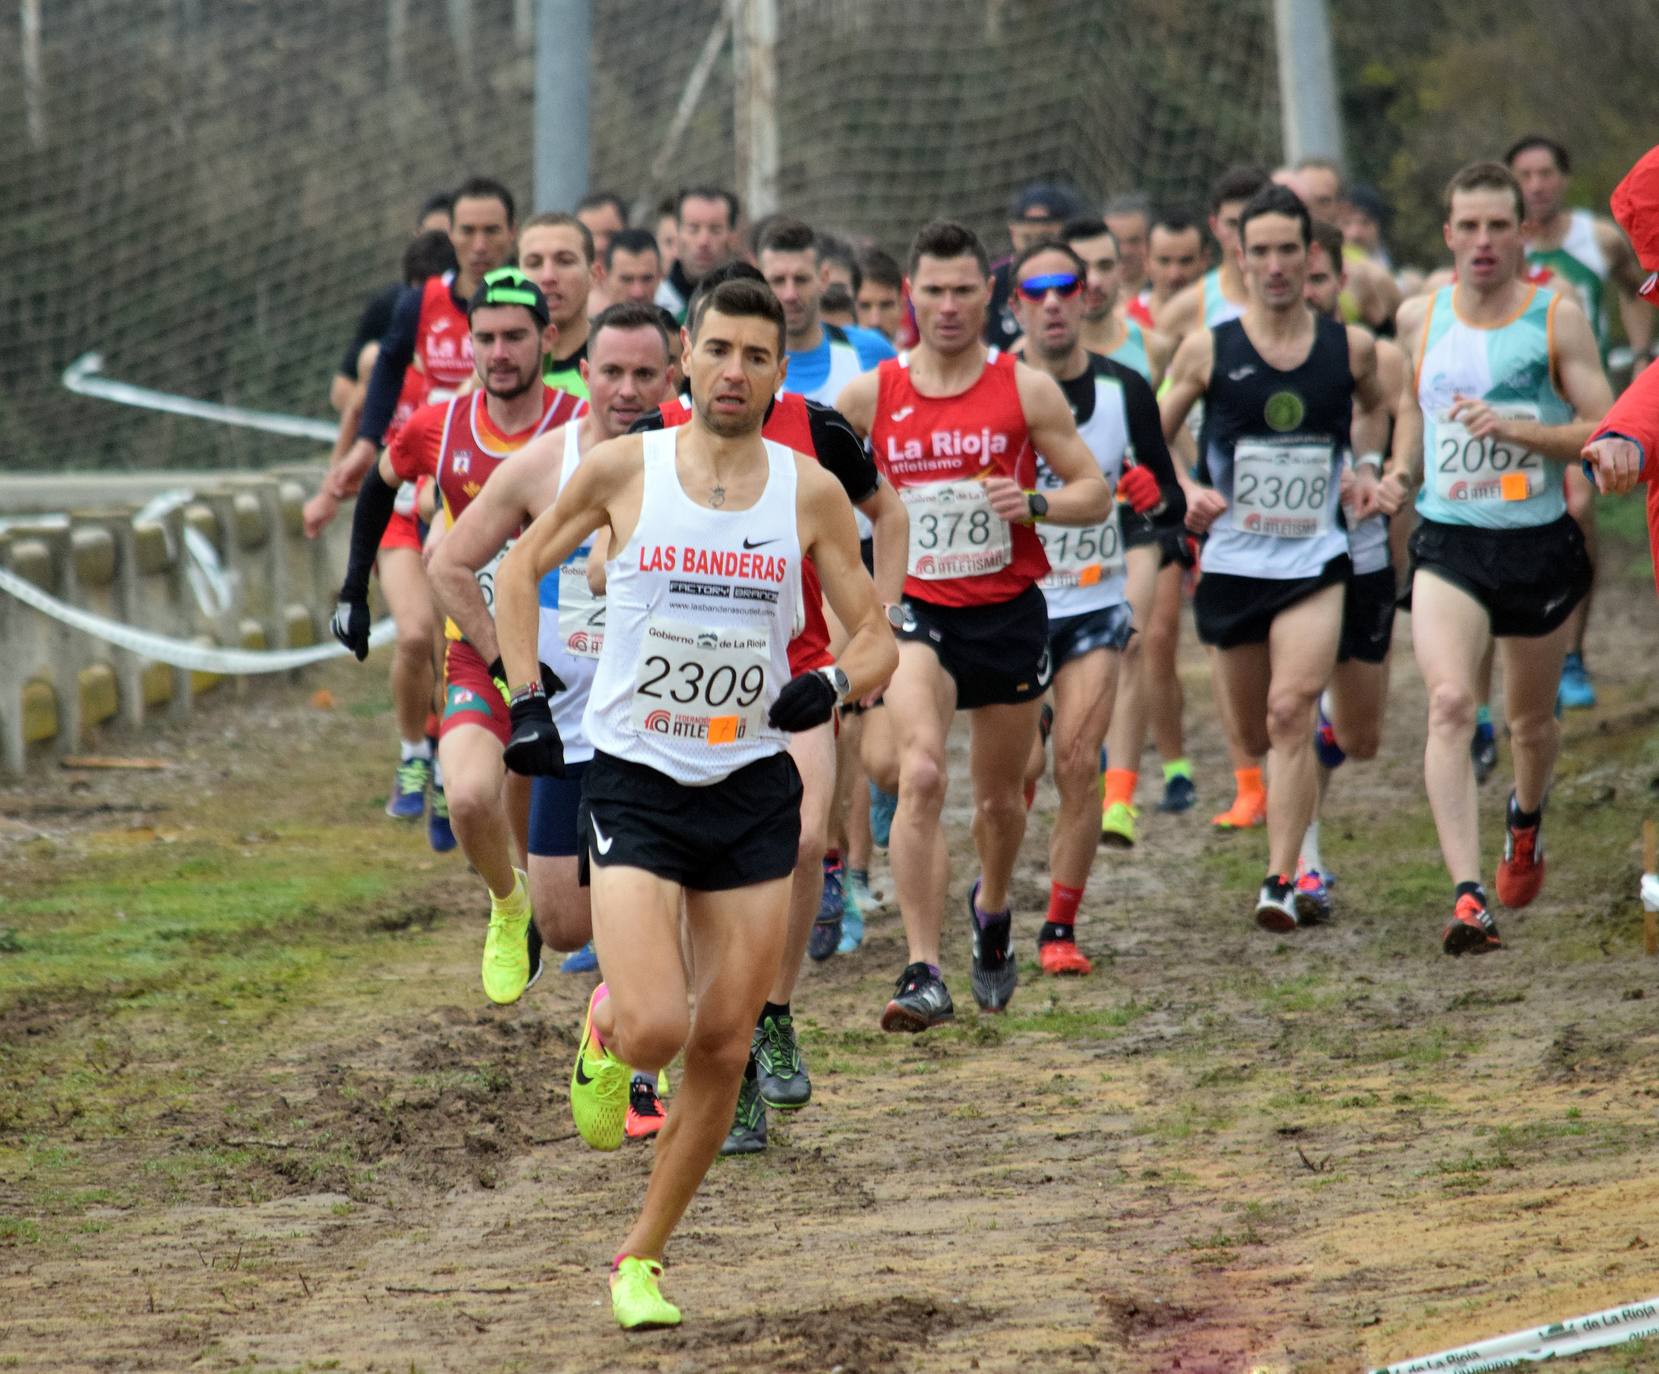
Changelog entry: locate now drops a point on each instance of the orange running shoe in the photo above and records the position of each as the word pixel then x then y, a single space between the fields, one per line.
pixel 645 1111
pixel 1521 872
pixel 1472 929
pixel 1060 958
pixel 1249 810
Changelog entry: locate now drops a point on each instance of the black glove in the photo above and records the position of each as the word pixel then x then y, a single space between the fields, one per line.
pixel 551 682
pixel 807 700
pixel 534 748
pixel 351 624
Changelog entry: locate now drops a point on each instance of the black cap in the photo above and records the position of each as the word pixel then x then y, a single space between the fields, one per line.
pixel 509 286
pixel 1043 201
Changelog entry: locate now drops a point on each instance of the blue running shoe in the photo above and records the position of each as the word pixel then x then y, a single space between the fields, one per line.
pixel 583 960
pixel 1180 794
pixel 1483 750
pixel 408 799
pixel 438 832
pixel 855 897
pixel 1328 751
pixel 825 938
pixel 1576 692
pixel 882 807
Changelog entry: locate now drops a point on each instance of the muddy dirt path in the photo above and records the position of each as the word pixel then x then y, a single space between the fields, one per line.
pixel 1223 1151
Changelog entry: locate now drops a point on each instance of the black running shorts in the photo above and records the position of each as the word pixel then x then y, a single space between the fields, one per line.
pixel 554 803
pixel 1072 636
pixel 1231 611
pixel 1368 617
pixel 997 655
pixel 1527 580
pixel 1171 541
pixel 744 829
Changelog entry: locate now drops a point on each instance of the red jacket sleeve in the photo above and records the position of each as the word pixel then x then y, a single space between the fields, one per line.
pixel 414 448
pixel 1636 416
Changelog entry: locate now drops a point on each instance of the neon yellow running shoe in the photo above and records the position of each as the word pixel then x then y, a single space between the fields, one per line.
pixel 507 947
pixel 1117 825
pixel 599 1090
pixel 636 1301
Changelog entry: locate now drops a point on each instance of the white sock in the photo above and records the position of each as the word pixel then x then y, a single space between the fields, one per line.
pixel 1310 848
pixel 415 749
pixel 437 773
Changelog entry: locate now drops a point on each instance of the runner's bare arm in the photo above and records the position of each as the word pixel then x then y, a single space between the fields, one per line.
pixel 1370 427
pixel 1178 316
pixel 1578 377
pixel 891 537
pixel 1626 270
pixel 1189 376
pixel 1404 469
pixel 591 499
pixel 830 539
pixel 1085 498
pixel 857 402
pixel 1160 349
pixel 502 505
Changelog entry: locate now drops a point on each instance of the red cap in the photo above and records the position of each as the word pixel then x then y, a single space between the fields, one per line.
pixel 1635 206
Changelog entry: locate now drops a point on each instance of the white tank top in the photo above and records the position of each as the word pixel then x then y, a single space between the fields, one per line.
pixel 572 627
pixel 701 606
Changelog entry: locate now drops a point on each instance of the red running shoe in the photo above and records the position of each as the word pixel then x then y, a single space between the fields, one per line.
pixel 1059 958
pixel 645 1111
pixel 1521 873
pixel 1472 929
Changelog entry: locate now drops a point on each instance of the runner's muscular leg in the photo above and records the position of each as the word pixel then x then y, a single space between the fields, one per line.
pixel 1163 641
pixel 1127 736
pixel 636 934
pixel 921 699
pixel 1084 690
pixel 814 754
pixel 1451 635
pixel 473 774
pixel 1359 697
pixel 737 940
pixel 1302 646
pixel 560 903
pixel 999 745
pixel 1531 670
pixel 403 583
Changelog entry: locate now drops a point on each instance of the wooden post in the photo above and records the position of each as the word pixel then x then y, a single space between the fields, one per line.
pixel 1650 864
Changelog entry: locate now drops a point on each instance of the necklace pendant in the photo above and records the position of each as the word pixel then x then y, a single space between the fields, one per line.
pixel 717 497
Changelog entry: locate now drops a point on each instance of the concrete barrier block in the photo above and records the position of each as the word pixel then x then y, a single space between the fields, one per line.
pixel 249 514
pixel 291 497
pixel 93 550
pixel 150 548
pixel 32 558
pixel 99 698
pixel 201 518
pixel 156 684
pixel 40 711
pixel 302 627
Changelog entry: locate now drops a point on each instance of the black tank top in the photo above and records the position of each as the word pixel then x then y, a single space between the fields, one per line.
pixel 1248 397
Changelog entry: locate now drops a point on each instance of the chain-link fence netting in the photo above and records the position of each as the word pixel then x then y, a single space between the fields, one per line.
pixel 203 192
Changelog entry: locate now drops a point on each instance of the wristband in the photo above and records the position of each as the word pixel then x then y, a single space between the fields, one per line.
pixel 529 692
pixel 1373 461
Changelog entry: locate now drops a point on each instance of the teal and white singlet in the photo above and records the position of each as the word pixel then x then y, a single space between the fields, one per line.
pixel 1511 366
pixel 1132 351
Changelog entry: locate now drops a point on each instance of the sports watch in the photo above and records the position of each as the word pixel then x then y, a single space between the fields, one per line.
pixel 1037 504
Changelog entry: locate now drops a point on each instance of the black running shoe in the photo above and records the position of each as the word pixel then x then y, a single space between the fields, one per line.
pixel 748 1133
pixel 779 1068
pixel 995 972
pixel 532 937
pixel 920 1000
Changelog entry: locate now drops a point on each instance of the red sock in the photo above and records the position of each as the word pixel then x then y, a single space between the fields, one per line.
pixel 1030 793
pixel 432 724
pixel 1063 902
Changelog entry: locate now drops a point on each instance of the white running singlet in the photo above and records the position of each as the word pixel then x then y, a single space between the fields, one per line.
pixel 572 627
pixel 701 606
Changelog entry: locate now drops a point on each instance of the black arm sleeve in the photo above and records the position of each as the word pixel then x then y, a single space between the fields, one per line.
pixel 651 420
pixel 397 351
pixel 368 523
pixel 371 325
pixel 1146 438
pixel 842 453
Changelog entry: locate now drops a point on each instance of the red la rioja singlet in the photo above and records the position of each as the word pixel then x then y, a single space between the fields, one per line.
pixel 937 452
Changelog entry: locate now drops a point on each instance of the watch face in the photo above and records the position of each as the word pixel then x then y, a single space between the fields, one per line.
pixel 899 617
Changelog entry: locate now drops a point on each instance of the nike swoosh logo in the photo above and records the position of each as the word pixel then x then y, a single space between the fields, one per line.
pixel 760 543
pixel 1238 374
pixel 601 841
pixel 897 415
pixel 581 1073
